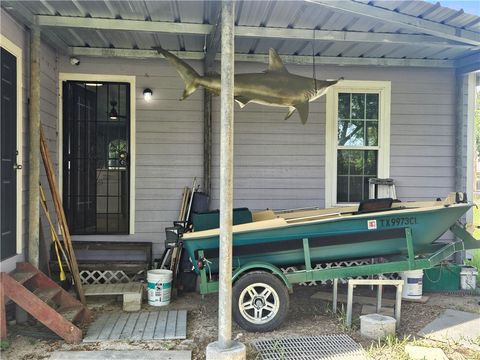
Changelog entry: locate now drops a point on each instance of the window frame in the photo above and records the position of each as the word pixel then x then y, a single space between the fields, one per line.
pixel 383 89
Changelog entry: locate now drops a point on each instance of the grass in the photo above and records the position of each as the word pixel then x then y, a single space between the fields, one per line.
pixel 4 345
pixel 391 347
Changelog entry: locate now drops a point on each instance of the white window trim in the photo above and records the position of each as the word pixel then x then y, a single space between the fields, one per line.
pixel 383 88
pixel 106 78
pixel 18 53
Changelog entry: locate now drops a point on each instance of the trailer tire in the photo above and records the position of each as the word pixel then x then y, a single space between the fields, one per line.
pixel 260 301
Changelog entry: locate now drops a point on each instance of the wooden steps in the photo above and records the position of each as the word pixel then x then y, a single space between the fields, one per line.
pixel 45 300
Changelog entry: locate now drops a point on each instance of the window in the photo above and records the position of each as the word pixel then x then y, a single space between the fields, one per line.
pixel 358 126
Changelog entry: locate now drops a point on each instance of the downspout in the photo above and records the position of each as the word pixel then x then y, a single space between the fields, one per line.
pixel 207 142
pixel 34 148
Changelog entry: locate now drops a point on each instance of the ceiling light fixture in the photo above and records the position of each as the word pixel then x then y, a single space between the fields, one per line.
pixel 147 94
pixel 113 114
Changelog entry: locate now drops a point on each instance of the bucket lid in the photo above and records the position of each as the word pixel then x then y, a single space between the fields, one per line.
pixel 159 272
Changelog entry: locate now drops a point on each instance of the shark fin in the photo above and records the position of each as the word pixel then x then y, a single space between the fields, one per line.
pixel 275 63
pixel 189 90
pixel 291 110
pixel 303 111
pixel 186 72
pixel 242 101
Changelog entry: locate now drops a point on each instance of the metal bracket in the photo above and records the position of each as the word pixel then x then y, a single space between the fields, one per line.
pixel 411 254
pixel 469 241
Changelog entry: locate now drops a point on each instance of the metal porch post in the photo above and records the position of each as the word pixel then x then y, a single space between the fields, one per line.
pixel 34 149
pixel 225 348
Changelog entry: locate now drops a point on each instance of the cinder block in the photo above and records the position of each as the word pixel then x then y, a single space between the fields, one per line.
pixel 372 309
pixel 376 326
pixel 132 301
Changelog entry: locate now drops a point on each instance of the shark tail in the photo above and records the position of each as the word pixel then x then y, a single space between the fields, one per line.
pixel 186 72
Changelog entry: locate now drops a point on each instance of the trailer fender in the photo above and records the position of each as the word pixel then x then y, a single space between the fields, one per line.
pixel 259 265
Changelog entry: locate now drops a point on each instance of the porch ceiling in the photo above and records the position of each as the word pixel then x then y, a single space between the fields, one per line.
pixel 399 33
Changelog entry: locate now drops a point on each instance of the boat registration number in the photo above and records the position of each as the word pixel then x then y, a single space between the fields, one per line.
pixel 399 221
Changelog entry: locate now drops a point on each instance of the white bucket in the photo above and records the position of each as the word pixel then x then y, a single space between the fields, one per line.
pixel 468 278
pixel 159 285
pixel 412 286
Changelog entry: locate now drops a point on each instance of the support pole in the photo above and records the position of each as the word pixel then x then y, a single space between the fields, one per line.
pixel 349 303
pixel 225 348
pixel 226 176
pixel 398 304
pixel 335 295
pixel 34 148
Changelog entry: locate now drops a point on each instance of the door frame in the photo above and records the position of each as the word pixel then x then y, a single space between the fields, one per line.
pixel 101 78
pixel 18 53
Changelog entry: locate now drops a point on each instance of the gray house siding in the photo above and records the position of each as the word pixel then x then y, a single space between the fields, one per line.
pixel 278 164
pixel 17 34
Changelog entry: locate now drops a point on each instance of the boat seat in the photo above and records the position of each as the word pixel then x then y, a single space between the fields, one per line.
pixel 211 220
pixel 374 205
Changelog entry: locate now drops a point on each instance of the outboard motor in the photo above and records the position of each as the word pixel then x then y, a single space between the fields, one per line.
pixel 461 197
pixel 173 235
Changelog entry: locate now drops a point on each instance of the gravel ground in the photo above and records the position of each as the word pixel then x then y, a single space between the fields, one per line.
pixel 306 317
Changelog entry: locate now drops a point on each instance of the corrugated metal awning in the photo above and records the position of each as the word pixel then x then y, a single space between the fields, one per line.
pixel 398 30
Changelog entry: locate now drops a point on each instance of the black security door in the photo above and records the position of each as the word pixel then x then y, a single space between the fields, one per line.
pixel 8 198
pixel 96 146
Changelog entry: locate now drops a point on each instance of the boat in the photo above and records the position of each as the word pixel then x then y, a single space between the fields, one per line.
pixel 374 228
pixel 397 236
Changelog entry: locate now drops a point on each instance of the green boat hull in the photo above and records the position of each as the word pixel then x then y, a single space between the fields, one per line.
pixel 345 238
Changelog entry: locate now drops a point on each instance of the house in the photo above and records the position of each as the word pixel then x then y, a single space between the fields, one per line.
pixel 404 111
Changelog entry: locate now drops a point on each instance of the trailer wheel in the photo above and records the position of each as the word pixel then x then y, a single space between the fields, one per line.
pixel 260 301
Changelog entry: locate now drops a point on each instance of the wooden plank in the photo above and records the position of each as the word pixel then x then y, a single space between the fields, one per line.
pixel 171 324
pixel 129 326
pixel 41 311
pixel 95 328
pixel 181 330
pixel 161 326
pixel 112 289
pixel 119 326
pixel 52 182
pixel 139 329
pixel 150 326
pixel 3 316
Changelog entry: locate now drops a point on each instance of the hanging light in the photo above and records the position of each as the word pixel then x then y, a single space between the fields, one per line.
pixel 147 94
pixel 113 114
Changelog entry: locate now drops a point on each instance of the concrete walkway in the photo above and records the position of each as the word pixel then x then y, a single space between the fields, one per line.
pixel 122 355
pixel 455 326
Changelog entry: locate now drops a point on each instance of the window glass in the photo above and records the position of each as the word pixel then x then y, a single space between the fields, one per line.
pixel 357 145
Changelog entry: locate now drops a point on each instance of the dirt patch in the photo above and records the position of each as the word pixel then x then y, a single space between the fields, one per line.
pixel 306 317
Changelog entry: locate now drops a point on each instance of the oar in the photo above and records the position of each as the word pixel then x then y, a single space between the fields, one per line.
pixel 56 241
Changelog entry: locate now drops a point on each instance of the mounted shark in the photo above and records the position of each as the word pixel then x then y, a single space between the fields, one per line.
pixel 274 87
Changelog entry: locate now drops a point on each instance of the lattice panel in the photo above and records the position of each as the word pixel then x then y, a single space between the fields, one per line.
pixel 103 277
pixel 337 264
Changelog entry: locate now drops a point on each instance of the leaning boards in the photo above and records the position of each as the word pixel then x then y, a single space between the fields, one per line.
pixel 52 182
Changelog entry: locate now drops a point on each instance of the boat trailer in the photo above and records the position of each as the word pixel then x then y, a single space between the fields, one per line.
pixel 410 261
